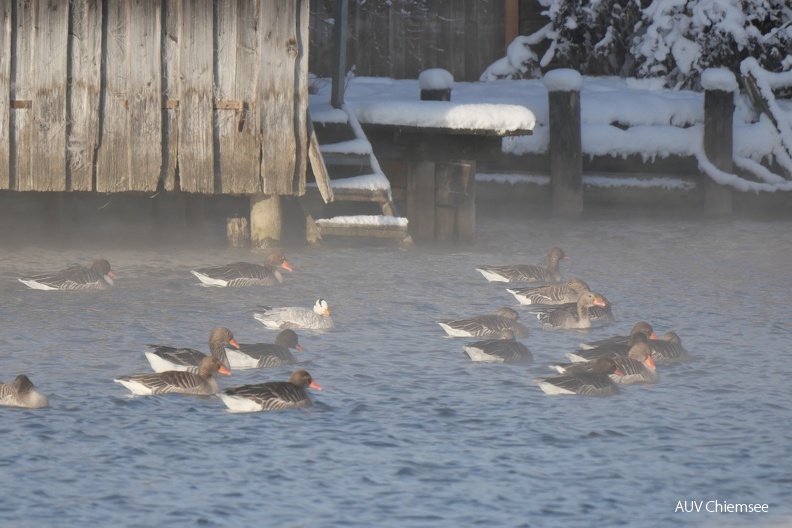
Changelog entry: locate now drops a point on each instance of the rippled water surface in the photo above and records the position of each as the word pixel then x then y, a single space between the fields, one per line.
pixel 408 432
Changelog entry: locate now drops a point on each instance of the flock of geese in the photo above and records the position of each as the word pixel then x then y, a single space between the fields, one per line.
pixel 598 367
pixel 593 370
pixel 189 371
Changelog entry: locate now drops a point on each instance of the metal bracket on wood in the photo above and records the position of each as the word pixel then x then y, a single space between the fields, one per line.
pixel 171 104
pixel 233 104
pixel 21 103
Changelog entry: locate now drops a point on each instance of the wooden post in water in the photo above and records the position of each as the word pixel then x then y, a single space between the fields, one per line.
pixel 455 213
pixel 566 156
pixel 719 85
pixel 265 220
pixel 421 199
pixel 237 232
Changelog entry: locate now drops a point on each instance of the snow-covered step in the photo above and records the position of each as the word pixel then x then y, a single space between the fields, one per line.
pixel 381 226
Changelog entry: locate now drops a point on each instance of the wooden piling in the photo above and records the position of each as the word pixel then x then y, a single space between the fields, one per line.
pixel 455 212
pixel 237 232
pixel 566 149
pixel 718 146
pixel 421 199
pixel 265 220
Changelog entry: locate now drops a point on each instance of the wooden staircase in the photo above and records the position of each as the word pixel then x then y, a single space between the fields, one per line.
pixel 346 170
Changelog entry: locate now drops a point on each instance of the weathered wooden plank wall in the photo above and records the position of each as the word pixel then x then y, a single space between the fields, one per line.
pixel 401 38
pixel 5 92
pixel 148 95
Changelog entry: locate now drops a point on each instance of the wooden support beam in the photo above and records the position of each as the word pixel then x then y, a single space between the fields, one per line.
pixel 237 232
pixel 718 145
pixel 265 220
pixel 421 199
pixel 341 27
pixel 566 149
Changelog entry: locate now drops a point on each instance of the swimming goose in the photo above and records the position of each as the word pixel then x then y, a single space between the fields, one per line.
pixel 98 277
pixel 596 313
pixel 596 382
pixel 669 350
pixel 506 349
pixel 244 273
pixel 610 349
pixel 272 395
pixel 527 272
pixel 297 317
pixel 552 294
pixel 636 367
pixel 201 383
pixel 561 319
pixel 485 325
pixel 165 358
pixel 22 393
pixel 640 326
pixel 265 355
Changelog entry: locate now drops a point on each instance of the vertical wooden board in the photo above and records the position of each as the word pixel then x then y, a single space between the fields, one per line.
pixel 144 83
pixel 5 94
pixel 86 49
pixel 283 96
pixel 415 42
pixel 113 162
pixel 22 89
pixel 456 39
pixel 396 43
pixel 171 89
pixel 237 80
pixel 300 91
pixel 196 150
pixel 49 106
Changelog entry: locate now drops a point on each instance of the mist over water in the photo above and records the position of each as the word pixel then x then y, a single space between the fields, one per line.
pixel 407 431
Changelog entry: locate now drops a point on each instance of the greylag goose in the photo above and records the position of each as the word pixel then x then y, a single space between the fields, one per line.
pixel 485 325
pixel 272 395
pixel 595 382
pixel 22 393
pixel 265 355
pixel 297 317
pixel 636 367
pixel 561 319
pixel 98 277
pixel 504 350
pixel 527 272
pixel 551 294
pixel 669 350
pixel 611 349
pixel 244 273
pixel 596 313
pixel 201 383
pixel 165 358
pixel 640 326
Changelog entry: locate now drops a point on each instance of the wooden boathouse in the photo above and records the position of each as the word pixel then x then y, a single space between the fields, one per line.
pixel 125 96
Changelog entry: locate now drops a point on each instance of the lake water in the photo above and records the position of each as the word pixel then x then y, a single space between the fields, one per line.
pixel 408 432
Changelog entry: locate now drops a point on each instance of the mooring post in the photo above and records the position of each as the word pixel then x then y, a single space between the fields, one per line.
pixel 455 201
pixel 265 220
pixel 421 199
pixel 566 149
pixel 719 89
pixel 237 232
